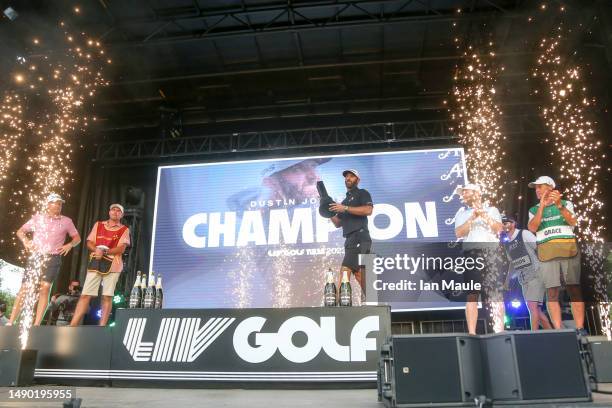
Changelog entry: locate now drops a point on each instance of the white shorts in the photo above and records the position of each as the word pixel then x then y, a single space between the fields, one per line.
pixel 93 280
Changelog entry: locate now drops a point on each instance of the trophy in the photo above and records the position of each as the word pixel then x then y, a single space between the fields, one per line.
pixel 325 201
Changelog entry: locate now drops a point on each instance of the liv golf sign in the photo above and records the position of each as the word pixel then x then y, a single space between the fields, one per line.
pixel 302 344
pixel 185 339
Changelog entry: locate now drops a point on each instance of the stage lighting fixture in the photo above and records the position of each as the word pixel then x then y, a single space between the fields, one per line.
pixel 112 324
pixel 133 196
pixel 99 313
pixel 171 123
pixel 10 13
pixel 504 237
pixel 516 303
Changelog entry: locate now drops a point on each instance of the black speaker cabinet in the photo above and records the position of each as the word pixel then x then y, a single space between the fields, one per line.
pixel 534 367
pixel 600 352
pixel 430 370
pixel 507 368
pixel 17 367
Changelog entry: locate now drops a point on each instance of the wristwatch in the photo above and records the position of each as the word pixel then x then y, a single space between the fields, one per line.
pixel 346 208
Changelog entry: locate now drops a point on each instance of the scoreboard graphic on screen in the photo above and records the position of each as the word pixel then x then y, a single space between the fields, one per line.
pixel 248 233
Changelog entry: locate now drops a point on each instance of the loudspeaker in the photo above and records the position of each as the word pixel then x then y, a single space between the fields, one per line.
pixel 17 367
pixel 430 370
pixel 600 353
pixel 506 368
pixel 534 367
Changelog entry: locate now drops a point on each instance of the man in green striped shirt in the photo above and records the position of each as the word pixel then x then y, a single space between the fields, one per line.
pixel 553 221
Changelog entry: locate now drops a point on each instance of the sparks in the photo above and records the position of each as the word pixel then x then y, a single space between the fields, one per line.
pixel 576 153
pixel 477 119
pixel 242 293
pixel 11 129
pixel 57 116
pixel 477 116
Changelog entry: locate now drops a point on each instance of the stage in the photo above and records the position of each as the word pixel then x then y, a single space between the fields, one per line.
pixel 304 357
pixel 103 397
pixel 190 348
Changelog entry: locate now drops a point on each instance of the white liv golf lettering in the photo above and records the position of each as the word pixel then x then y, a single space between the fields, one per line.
pixel 319 337
pixel 178 339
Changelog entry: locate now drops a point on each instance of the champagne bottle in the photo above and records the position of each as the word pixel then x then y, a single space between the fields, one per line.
pixel 143 289
pixel 329 292
pixel 346 294
pixel 149 297
pixel 135 294
pixel 159 295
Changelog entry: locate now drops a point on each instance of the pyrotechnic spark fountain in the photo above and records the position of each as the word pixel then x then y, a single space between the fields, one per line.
pixel 313 284
pixel 477 117
pixel 283 278
pixel 241 278
pixel 495 297
pixel 61 84
pixel 576 153
pixel 11 128
pixel 32 272
pixel 68 83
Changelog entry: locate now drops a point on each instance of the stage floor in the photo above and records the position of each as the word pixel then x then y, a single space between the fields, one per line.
pixel 107 397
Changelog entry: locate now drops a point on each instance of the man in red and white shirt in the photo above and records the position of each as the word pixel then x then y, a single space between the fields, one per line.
pixel 115 236
pixel 48 234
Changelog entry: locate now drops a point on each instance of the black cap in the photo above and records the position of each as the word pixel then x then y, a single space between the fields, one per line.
pixel 507 218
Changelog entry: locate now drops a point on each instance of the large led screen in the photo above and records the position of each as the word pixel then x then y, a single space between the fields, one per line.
pixel 248 233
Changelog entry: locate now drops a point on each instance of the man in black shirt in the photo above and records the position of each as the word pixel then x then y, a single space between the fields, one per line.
pixel 352 216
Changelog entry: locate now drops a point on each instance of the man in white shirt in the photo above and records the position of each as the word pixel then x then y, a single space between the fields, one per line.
pixel 479 227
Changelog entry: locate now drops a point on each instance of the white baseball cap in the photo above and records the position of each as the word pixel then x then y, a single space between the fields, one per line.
pixel 353 171
pixel 53 197
pixel 543 180
pixel 119 206
pixel 469 186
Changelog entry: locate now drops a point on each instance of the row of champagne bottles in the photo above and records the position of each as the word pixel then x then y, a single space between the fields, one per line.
pixel 333 297
pixel 147 296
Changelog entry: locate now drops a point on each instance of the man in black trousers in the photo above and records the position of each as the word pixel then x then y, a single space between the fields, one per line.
pixel 352 215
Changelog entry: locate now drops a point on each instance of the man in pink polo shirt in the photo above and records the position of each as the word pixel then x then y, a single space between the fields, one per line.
pixel 48 239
